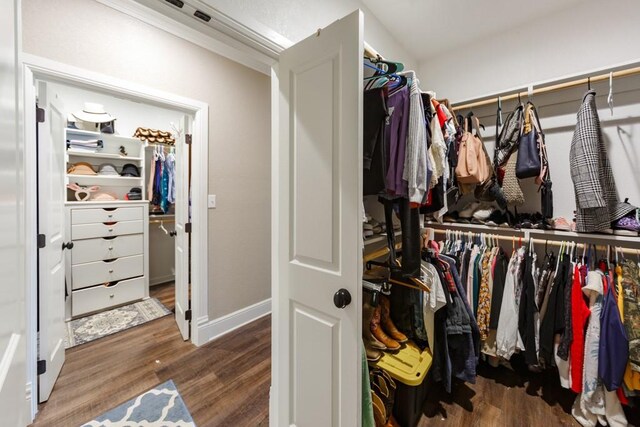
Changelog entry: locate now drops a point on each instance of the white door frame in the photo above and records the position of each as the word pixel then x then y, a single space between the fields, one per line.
pixel 34 67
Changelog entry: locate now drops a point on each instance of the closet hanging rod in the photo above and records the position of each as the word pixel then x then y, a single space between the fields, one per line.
pixel 550 242
pixel 584 81
pixel 370 52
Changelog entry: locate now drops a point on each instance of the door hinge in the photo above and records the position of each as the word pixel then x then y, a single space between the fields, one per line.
pixel 39 114
pixel 187 315
pixel 187 227
pixel 42 241
pixel 188 138
pixel 42 367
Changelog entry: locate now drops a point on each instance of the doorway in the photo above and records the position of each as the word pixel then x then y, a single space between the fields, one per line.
pixel 42 78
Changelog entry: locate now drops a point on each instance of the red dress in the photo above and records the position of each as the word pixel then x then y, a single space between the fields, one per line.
pixel 579 315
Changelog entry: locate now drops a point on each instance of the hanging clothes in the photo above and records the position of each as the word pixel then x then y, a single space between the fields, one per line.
pixel 170 165
pixel 595 189
pixel 580 314
pixel 594 404
pixel 508 338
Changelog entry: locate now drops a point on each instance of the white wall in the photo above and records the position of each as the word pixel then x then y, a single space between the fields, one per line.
pixel 89 35
pixel 129 115
pixel 592 35
pixel 558 117
pixel 298 19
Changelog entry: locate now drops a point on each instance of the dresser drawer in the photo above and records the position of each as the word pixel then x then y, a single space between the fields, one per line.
pixel 101 297
pixel 91 216
pixel 88 231
pixel 99 249
pixel 95 273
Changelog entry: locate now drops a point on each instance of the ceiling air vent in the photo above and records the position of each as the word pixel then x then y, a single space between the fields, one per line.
pixel 202 15
pixel 176 3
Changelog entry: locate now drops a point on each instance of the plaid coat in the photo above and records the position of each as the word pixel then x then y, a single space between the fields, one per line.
pixel 597 204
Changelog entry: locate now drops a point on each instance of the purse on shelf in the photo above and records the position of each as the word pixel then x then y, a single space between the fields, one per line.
pixel 529 164
pixel 472 167
pixel 507 139
pixel 510 184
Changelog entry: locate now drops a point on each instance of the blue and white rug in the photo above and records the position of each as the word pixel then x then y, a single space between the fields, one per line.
pixel 159 407
pixel 90 328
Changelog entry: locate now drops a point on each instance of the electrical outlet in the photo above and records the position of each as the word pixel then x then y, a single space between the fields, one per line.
pixel 211 201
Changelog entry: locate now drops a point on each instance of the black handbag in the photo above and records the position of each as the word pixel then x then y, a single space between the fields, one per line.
pixel 546 198
pixel 529 162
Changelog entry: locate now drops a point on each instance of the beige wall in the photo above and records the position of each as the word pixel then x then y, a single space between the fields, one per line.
pixel 90 35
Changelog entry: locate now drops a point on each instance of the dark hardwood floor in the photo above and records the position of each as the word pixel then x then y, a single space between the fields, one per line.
pixel 224 383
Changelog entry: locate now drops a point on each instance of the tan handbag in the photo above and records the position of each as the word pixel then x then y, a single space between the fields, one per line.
pixel 510 183
pixel 474 166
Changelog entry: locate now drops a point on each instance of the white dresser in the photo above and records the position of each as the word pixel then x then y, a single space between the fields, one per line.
pixel 108 264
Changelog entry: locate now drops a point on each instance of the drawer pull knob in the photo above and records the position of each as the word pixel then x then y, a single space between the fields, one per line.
pixel 67 245
pixel 110 248
pixel 110 230
pixel 110 216
pixel 111 271
pixel 111 296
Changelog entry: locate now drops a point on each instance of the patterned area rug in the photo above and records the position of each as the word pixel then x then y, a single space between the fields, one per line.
pixel 159 407
pixel 86 329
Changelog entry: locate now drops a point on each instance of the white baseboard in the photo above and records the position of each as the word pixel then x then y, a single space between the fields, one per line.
pixel 161 279
pixel 216 328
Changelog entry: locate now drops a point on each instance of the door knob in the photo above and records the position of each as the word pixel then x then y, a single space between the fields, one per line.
pixel 342 298
pixel 68 245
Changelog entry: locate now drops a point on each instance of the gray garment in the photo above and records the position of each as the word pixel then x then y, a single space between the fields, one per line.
pixel 597 202
pixel 415 158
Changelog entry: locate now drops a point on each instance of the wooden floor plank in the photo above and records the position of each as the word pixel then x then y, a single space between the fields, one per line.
pixel 222 383
pixel 226 382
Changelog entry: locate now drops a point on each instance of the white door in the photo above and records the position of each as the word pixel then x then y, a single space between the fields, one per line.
pixel 51 197
pixel 318 230
pixel 13 367
pixel 182 237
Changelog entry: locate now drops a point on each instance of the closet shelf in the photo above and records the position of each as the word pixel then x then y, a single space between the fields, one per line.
pixel 103 202
pixel 612 239
pixel 380 238
pixel 103 136
pixel 73 153
pixel 103 179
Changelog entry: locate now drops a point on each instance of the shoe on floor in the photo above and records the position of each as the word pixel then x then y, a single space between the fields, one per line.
pixel 561 223
pixel 628 223
pixel 482 213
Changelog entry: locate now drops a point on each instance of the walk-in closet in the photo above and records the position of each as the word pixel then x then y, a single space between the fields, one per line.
pixel 493 276
pixel 109 178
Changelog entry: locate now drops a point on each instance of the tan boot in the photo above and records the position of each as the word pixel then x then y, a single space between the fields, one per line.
pixel 370 342
pixel 373 355
pixel 377 331
pixel 387 323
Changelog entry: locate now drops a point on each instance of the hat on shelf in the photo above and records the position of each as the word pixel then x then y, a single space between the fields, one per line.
pixel 134 194
pixel 81 168
pixel 130 170
pixel 108 169
pixel 104 196
pixel 93 113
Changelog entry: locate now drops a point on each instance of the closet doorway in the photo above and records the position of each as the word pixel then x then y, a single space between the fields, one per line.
pixel 112 207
